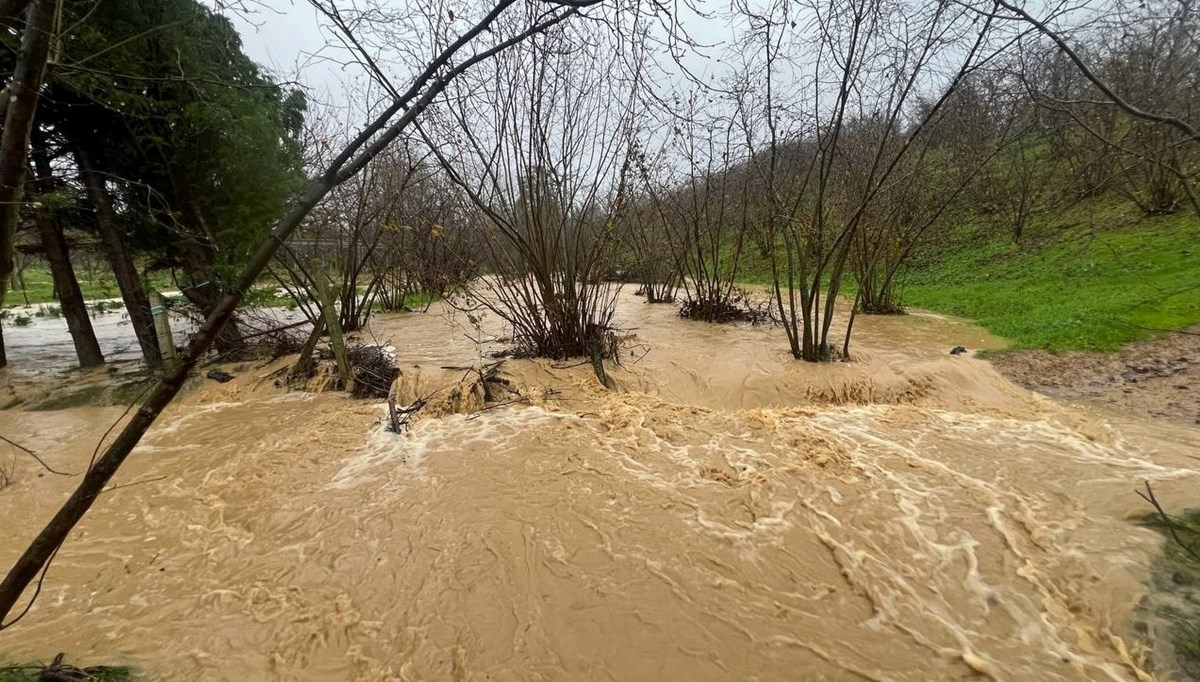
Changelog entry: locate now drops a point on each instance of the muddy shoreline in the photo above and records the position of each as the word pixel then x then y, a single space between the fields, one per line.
pixel 1156 378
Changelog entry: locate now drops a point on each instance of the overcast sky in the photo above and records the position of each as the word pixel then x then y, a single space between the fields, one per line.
pixel 287 38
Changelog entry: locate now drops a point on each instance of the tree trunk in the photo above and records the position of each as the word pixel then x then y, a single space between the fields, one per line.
pixel 199 260
pixel 373 139
pixel 22 103
pixel 79 324
pixel 137 303
pixel 206 295
pixel 3 352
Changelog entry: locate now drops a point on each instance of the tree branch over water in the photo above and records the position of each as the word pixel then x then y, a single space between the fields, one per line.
pixel 34 455
pixel 441 70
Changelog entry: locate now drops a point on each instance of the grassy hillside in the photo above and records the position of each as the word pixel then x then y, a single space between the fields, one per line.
pixel 1092 278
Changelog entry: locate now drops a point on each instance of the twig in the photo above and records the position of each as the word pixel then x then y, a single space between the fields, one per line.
pixel 1172 526
pixel 132 483
pixel 33 454
pixel 1172 331
pixel 284 328
pixel 577 364
pixel 111 427
pixel 37 590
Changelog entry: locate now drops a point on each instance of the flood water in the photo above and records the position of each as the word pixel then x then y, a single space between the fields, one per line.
pixel 727 514
pixel 42 346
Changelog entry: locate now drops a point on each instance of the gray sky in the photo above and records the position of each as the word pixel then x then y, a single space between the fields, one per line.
pixel 286 37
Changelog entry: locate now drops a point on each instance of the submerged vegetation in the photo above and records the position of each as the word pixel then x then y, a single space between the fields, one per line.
pixel 1172 609
pixel 58 671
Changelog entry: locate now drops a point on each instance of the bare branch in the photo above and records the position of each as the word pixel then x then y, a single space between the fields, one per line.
pixel 34 455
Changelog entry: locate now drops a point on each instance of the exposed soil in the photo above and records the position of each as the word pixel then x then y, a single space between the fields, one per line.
pixel 1158 377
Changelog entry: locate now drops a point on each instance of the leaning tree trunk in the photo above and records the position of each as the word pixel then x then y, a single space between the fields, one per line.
pixel 199 256
pixel 373 139
pixel 137 303
pixel 74 309
pixel 79 324
pixel 206 296
pixel 21 100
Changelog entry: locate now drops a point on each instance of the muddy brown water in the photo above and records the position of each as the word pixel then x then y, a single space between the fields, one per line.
pixel 727 514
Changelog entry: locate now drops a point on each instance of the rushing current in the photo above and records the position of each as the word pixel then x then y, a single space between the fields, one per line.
pixel 727 513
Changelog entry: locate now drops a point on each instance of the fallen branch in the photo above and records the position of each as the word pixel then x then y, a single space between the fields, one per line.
pixel 57 671
pixel 275 330
pixel 34 455
pixel 111 488
pixel 1170 331
pixel 1171 525
pixel 400 418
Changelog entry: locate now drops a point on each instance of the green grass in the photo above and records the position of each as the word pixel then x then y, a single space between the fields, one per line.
pixel 266 297
pixel 39 286
pixel 39 291
pixel 1093 278
pixel 411 303
pixel 418 301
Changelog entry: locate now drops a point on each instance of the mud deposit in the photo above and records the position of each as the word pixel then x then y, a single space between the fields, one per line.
pixel 727 514
pixel 1158 378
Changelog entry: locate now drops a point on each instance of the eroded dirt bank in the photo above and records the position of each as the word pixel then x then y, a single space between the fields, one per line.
pixel 1158 378
pixel 727 514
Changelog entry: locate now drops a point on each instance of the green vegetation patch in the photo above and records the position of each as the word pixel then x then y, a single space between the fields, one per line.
pixel 95 395
pixel 39 285
pixel 34 672
pixel 1093 278
pixel 1173 605
pixel 267 297
pixel 418 301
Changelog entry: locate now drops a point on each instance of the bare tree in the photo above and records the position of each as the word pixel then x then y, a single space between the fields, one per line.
pixel 430 246
pixel 646 253
pixel 342 235
pixel 540 144
pixel 702 202
pixel 831 143
pixel 1127 83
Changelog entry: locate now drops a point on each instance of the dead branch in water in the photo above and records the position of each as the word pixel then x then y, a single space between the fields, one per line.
pixel 1171 525
pixel 57 671
pixel 34 455
pixel 399 418
pixel 481 388
pixel 133 483
pixel 372 371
